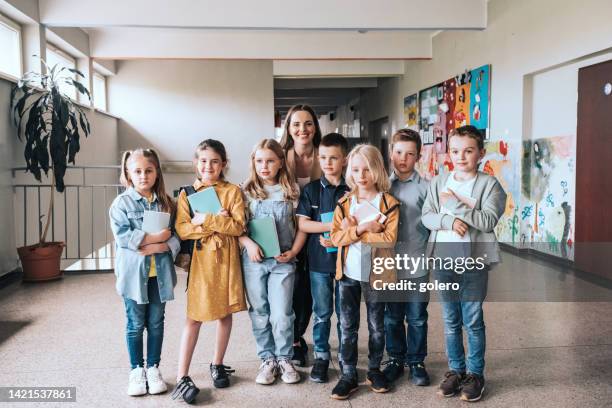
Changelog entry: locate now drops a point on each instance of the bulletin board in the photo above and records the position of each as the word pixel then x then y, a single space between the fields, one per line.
pixel 459 101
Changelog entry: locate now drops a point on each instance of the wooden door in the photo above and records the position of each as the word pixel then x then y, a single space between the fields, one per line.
pixel 593 251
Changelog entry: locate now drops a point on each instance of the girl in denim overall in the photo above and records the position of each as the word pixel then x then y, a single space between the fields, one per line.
pixel 144 265
pixel 269 282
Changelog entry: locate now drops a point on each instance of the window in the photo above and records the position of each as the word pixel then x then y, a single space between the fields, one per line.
pixel 57 56
pixel 10 44
pixel 99 91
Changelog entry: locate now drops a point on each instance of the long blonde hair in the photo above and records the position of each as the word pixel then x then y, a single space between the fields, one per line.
pixel 254 187
pixel 167 203
pixel 375 163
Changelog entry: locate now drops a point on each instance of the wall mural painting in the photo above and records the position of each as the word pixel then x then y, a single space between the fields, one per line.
pixel 548 181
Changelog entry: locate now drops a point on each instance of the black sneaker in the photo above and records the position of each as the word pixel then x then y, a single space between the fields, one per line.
pixel 418 374
pixel 473 387
pixel 186 390
pixel 394 369
pixel 345 387
pixel 299 353
pixel 377 381
pixel 220 375
pixel 451 384
pixel 318 373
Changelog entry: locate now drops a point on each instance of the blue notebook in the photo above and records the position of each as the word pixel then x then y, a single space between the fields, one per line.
pixel 205 201
pixel 325 218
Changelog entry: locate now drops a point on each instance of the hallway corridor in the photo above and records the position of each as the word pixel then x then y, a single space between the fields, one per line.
pixel 539 354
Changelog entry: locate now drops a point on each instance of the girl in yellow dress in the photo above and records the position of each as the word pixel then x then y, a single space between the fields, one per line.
pixel 215 288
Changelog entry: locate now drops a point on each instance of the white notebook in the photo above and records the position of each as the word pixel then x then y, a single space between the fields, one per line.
pixel 154 221
pixel 367 212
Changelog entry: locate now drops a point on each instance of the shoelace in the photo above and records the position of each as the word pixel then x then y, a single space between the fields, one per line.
pixel 142 377
pixel 284 364
pixel 390 362
pixel 181 387
pixel 470 378
pixel 267 363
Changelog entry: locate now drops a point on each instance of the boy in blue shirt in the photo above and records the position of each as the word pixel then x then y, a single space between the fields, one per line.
pixel 407 346
pixel 318 199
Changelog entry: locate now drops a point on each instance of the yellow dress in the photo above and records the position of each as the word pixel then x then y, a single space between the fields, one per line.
pixel 215 277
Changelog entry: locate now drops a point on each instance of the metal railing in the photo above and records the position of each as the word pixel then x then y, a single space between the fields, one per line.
pixel 82 212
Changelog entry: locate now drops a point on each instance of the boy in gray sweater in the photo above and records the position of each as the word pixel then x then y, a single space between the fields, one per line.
pixel 461 210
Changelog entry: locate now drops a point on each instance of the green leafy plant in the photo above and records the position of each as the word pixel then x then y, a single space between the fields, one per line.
pixel 49 123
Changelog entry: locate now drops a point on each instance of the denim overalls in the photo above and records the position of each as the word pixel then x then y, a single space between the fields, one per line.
pixel 269 286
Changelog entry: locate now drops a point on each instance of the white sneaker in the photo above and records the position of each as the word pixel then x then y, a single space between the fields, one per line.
pixel 138 382
pixel 155 381
pixel 289 374
pixel 268 370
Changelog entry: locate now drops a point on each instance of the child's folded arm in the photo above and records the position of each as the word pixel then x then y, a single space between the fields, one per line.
pixel 309 226
pixel 388 236
pixel 493 206
pixel 183 226
pixel 234 225
pixel 125 235
pixel 340 237
pixel 430 217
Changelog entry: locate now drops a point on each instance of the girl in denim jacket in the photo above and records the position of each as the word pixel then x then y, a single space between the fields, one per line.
pixel 269 282
pixel 144 265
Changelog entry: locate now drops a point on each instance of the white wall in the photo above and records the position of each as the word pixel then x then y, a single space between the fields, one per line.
pixel 522 37
pixel 8 253
pixel 172 105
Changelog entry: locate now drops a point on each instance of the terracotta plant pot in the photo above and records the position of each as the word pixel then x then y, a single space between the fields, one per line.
pixel 41 262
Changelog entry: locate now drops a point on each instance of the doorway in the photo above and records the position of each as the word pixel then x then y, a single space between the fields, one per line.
pixel 594 170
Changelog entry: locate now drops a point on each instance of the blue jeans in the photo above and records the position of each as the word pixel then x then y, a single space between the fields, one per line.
pixel 349 293
pixel 322 289
pixel 139 317
pixel 269 289
pixel 465 310
pixel 407 344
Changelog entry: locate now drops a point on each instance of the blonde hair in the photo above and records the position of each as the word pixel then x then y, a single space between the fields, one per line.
pixel 167 203
pixel 375 163
pixel 254 187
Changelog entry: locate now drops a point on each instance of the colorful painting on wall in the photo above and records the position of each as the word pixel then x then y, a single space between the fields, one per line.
pixel 463 100
pixel 458 101
pixel 411 118
pixel 548 190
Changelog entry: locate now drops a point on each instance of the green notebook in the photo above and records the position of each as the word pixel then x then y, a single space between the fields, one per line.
pixel 263 231
pixel 205 201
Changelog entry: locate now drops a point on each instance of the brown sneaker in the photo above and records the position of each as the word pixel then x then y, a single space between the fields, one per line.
pixel 472 387
pixel 451 384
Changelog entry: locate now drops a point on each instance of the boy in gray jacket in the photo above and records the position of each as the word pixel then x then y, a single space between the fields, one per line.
pixel 461 210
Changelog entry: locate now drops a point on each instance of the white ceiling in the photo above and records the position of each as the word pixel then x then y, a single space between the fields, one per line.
pixel 283 31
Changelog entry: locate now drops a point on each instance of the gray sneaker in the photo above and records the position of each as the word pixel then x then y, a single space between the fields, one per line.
pixel 289 374
pixel 268 370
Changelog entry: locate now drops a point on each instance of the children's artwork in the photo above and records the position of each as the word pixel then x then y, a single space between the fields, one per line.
pixel 462 100
pixel 548 181
pixel 411 119
pixel 429 106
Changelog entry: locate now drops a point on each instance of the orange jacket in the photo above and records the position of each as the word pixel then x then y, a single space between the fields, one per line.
pixel 382 243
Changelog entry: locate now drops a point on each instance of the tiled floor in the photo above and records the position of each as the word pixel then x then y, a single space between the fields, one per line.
pixel 539 354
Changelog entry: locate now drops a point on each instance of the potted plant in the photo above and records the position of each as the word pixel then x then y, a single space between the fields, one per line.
pixel 50 124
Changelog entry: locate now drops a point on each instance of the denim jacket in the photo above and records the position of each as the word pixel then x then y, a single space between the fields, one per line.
pixel 132 269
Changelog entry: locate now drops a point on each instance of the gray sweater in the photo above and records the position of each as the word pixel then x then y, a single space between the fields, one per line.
pixel 482 219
